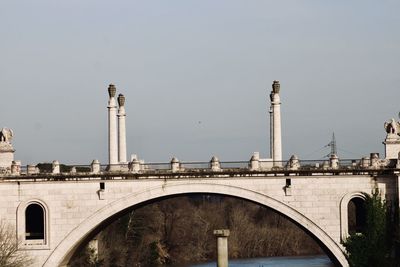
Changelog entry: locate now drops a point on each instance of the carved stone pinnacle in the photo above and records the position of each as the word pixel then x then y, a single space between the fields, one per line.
pixel 112 90
pixel 121 100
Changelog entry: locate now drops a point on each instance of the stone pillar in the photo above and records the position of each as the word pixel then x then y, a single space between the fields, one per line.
pixel 95 166
pixel 112 127
pixel 392 140
pixel 174 164
pixel 374 158
pixel 294 163
pixel 6 149
pixel 55 167
pixel 134 166
pixel 271 130
pixel 222 247
pixel 277 133
pixel 255 162
pixel 16 167
pixel 121 129
pixel 215 165
pixel 334 161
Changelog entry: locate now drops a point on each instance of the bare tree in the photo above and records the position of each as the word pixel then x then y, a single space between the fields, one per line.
pixel 10 256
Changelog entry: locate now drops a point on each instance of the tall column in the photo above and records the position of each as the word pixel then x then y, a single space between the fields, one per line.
pixel 277 133
pixel 271 131
pixel 112 126
pixel 222 247
pixel 121 130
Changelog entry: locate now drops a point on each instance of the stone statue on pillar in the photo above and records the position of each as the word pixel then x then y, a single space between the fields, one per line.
pixel 392 128
pixel 6 135
pixel 392 140
pixel 6 150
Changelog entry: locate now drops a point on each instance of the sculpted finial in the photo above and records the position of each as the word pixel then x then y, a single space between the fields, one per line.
pixel 121 100
pixel 112 90
pixel 276 87
pixel 6 135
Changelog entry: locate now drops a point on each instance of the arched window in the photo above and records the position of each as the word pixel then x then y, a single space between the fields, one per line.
pixel 34 222
pixel 356 215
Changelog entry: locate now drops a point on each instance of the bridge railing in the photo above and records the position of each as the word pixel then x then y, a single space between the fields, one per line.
pixel 254 165
pixel 195 166
pixel 234 164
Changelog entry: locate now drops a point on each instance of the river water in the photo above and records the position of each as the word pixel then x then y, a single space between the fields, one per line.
pixel 303 261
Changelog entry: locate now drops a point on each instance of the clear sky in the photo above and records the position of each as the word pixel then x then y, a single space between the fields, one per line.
pixel 197 75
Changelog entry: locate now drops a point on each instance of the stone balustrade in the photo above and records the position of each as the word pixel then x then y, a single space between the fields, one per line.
pixel 254 165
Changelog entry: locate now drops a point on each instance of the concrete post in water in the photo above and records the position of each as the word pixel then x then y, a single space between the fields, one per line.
pixel 277 132
pixel 222 247
pixel 112 127
pixel 121 129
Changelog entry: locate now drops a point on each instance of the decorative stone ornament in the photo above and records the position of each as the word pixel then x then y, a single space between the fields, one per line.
pixel 112 90
pixel 121 100
pixel 6 150
pixel 95 166
pixel 255 162
pixel 215 165
pixel 392 128
pixel 175 164
pixel 276 87
pixel 134 165
pixel 293 163
pixel 6 135
pixel 392 140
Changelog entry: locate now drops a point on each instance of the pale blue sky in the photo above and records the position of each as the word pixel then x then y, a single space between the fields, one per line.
pixel 181 62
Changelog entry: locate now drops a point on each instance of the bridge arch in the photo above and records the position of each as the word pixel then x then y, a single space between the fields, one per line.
pixel 65 250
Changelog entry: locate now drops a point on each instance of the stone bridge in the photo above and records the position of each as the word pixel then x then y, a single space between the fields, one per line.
pixel 56 208
pixel 55 213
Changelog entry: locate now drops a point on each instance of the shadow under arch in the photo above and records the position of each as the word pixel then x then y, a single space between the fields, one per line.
pixel 66 248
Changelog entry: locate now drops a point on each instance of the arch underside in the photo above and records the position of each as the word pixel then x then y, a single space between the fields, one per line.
pixel 65 250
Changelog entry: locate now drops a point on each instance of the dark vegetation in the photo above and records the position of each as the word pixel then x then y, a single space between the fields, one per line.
pixel 180 230
pixel 377 244
pixel 9 254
